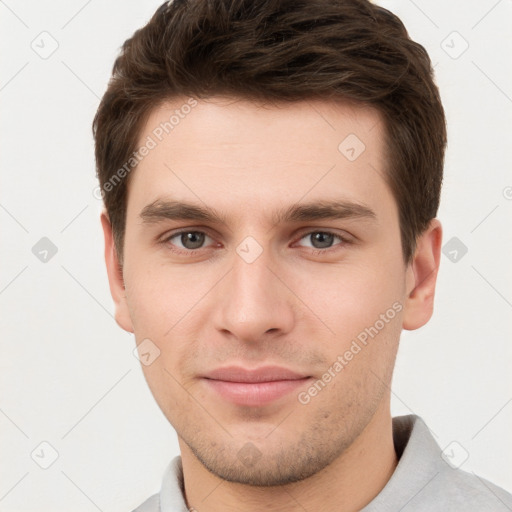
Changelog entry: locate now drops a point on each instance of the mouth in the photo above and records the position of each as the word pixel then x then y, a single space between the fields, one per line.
pixel 254 388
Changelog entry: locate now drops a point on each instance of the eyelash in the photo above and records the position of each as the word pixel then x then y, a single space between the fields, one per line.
pixel 193 252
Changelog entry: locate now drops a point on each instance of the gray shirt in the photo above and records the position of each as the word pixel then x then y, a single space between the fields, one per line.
pixel 424 480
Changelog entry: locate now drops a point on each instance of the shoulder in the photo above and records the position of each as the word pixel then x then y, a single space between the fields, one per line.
pixel 152 504
pixel 450 486
pixel 170 498
pixel 425 481
pixel 458 490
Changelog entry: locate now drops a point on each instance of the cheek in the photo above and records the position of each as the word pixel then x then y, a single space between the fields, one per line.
pixel 165 307
pixel 159 299
pixel 351 298
pixel 159 313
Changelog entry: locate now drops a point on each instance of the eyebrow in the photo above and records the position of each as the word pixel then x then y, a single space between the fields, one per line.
pixel 162 209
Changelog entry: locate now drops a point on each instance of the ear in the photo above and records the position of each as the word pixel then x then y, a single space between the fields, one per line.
pixel 421 277
pixel 115 277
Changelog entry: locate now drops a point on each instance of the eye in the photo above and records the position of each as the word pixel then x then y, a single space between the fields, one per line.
pixel 191 241
pixel 188 240
pixel 322 239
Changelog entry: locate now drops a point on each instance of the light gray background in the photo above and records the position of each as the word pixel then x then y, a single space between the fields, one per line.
pixel 68 374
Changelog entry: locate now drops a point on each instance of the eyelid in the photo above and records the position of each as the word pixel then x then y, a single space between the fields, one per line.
pixel 347 237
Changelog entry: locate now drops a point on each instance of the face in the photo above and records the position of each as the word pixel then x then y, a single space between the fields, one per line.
pixel 263 276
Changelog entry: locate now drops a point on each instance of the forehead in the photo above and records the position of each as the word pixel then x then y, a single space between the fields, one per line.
pixel 234 154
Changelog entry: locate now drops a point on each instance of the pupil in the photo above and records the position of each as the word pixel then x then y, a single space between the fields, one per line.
pixel 192 240
pixel 323 239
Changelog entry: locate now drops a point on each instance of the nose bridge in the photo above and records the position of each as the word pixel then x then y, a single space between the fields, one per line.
pixel 251 280
pixel 253 300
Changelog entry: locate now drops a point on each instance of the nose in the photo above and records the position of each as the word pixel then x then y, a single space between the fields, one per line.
pixel 254 303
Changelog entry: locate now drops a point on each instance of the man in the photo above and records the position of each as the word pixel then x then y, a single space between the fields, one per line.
pixel 271 173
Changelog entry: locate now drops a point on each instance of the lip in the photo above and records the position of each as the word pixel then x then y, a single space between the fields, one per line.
pixel 253 387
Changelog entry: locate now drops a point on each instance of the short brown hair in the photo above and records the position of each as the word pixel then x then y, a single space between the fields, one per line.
pixel 287 50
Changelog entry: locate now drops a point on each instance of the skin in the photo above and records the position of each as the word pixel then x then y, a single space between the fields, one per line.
pixel 298 305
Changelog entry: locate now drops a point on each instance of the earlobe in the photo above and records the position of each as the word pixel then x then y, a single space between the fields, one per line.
pixel 115 277
pixel 421 277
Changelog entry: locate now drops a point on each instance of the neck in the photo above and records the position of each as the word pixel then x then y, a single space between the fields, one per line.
pixel 348 484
